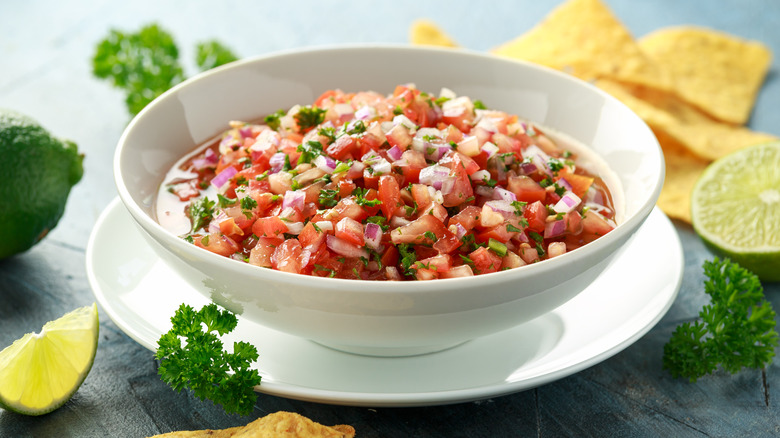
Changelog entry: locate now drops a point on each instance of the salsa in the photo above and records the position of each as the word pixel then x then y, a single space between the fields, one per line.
pixel 406 186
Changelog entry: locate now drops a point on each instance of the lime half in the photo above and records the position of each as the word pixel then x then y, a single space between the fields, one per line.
pixel 41 371
pixel 735 208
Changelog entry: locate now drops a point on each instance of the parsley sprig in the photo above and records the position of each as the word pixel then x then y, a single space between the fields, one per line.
pixel 202 364
pixel 736 330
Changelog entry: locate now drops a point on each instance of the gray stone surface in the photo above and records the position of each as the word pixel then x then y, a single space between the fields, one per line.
pixel 45 72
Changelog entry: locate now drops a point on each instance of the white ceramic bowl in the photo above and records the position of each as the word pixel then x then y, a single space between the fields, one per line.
pixel 386 318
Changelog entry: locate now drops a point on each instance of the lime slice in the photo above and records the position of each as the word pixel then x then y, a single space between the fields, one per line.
pixel 735 208
pixel 41 371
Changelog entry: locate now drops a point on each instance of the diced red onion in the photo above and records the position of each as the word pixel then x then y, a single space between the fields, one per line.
pixel 526 168
pixel 223 177
pixel 469 146
pixel 505 194
pixel 403 120
pixel 228 142
pixel 216 220
pixel 486 191
pixel 457 106
pixel 398 221
pixel 392 273
pixel 245 132
pixel 490 149
pixel 365 112
pixel 294 227
pixel 480 175
pixel 458 230
pixel 555 249
pixel 568 202
pixel 355 170
pixel 277 162
pixel 394 153
pixel 325 163
pixel 554 228
pixel 343 111
pixel 382 167
pixel 563 183
pixel 372 234
pixel 342 247
pixel 266 139
pixel 434 176
pixel 294 199
pixel 324 225
pixel 505 208
pixel 209 159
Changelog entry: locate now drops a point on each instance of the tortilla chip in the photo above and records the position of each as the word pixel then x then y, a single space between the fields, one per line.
pixel 683 169
pixel 718 73
pixel 583 38
pixel 427 33
pixel 207 433
pixel 707 138
pixel 277 425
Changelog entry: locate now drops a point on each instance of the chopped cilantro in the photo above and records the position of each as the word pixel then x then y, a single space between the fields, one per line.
pixel 360 198
pixel 225 201
pixel 430 235
pixel 479 105
pixel 513 229
pixel 272 120
pixel 309 151
pixel 408 258
pixel 248 203
pixel 357 127
pixel 329 132
pixel 200 212
pixel 308 117
pixel 331 272
pixel 328 197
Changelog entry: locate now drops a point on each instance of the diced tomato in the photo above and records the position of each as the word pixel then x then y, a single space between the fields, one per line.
pixel 399 136
pixel 350 230
pixel 260 255
pixel 410 165
pixel 270 226
pixel 348 207
pixel 485 260
pixel 579 183
pixel 536 215
pixel 311 237
pixel 468 217
pixel 287 256
pixel 416 231
pixel 389 194
pixel 594 226
pixel 342 147
pixel 217 243
pixel 421 196
pixel 526 189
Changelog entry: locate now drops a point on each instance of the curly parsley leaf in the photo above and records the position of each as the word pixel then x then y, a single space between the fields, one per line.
pixel 736 330
pixel 212 54
pixel 202 364
pixel 145 64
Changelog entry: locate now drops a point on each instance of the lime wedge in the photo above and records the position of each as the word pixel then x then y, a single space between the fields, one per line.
pixel 735 208
pixel 41 371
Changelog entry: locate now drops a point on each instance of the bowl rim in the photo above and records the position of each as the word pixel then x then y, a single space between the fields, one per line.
pixel 545 267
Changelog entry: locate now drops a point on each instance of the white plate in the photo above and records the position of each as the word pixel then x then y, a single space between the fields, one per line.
pixel 140 294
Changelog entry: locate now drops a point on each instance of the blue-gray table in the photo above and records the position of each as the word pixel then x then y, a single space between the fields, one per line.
pixel 45 72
